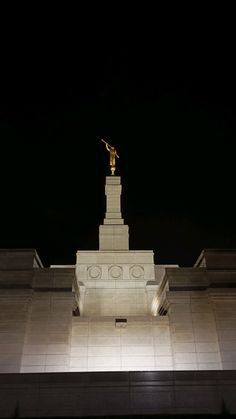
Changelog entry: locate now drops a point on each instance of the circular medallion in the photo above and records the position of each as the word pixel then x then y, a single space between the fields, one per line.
pixel 137 271
pixel 94 272
pixel 115 272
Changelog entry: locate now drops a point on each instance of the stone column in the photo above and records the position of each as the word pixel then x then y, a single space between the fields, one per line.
pixel 113 234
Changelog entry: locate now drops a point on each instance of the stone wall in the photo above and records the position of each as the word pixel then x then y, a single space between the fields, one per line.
pixel 118 393
pixel 99 344
pixel 193 331
pixel 13 327
pixel 40 330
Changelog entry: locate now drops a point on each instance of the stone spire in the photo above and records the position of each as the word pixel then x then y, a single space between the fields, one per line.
pixel 113 234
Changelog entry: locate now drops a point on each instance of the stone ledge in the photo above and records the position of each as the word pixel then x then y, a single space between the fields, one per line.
pixel 117 393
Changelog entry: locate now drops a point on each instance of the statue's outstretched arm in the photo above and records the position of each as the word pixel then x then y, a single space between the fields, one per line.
pixel 108 147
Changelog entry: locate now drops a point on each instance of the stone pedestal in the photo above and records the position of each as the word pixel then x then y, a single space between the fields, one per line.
pixel 113 234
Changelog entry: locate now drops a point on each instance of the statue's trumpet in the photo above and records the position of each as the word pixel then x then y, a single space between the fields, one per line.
pixel 104 141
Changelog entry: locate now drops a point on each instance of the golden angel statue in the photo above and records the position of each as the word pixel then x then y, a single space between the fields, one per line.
pixel 113 155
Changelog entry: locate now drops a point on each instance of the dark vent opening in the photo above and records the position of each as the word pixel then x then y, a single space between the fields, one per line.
pixel 76 312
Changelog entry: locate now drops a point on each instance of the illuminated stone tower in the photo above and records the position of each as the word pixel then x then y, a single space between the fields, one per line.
pixel 114 270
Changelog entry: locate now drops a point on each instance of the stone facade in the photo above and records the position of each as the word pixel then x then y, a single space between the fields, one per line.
pixel 41 331
pixel 115 310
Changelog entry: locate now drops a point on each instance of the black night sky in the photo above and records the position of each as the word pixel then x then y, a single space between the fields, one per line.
pixel 163 95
